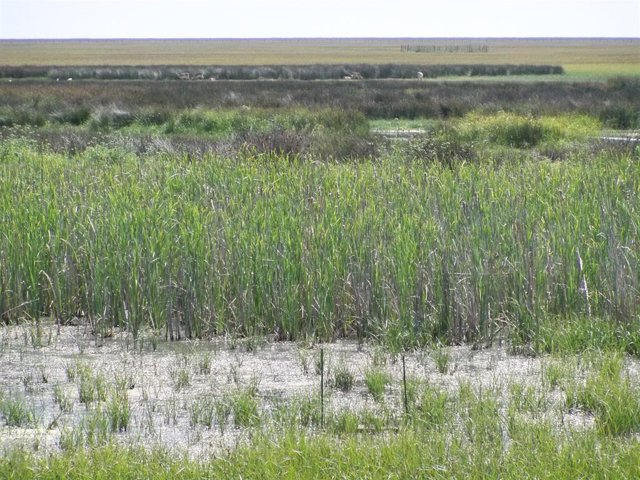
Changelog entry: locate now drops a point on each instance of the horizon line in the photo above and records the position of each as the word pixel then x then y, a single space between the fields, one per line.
pixel 99 39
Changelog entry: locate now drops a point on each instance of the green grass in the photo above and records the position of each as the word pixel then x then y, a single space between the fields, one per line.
pixel 354 447
pixel 118 410
pixel 181 379
pixel 599 71
pixel 202 412
pixel 343 378
pixel 91 387
pixel 431 407
pixel 442 358
pixel 64 400
pixel 522 131
pixel 244 407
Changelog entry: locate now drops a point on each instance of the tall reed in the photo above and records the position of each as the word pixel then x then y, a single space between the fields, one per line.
pixel 263 243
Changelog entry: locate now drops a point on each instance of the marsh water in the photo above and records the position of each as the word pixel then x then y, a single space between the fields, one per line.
pixel 164 380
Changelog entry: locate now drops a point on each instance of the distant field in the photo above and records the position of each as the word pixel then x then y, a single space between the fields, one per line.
pixel 582 57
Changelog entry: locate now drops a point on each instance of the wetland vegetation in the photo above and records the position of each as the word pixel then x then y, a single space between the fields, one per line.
pixel 176 256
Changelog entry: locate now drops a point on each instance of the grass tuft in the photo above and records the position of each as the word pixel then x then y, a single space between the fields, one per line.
pixel 376 381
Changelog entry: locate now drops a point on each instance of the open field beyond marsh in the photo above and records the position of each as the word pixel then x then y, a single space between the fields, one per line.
pixel 579 57
pixel 311 51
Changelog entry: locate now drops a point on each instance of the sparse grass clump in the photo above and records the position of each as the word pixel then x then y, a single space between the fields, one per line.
pixel 343 379
pixel 202 411
pixel 181 378
pixel 96 428
pixel 244 407
pixel 376 381
pixel 118 410
pixel 63 399
pixel 442 358
pixel 92 387
pixel 204 364
pixel 16 411
pixel 610 396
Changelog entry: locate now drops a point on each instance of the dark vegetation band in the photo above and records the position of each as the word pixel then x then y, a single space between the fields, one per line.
pixel 616 102
pixel 273 72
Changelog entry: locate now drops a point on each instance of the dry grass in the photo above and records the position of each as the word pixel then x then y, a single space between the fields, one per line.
pixel 610 54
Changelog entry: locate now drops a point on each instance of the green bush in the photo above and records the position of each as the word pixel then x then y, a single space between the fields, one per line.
pixel 444 146
pixel 526 131
pixel 111 117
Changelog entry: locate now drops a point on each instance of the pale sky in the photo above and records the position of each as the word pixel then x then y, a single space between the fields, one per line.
pixel 23 19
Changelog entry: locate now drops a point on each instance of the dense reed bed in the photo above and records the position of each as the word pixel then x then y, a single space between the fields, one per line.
pixel 402 249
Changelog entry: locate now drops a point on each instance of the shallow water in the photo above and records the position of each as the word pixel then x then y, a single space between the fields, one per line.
pixel 279 372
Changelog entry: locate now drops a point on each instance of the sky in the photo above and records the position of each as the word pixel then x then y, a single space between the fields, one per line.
pixel 50 19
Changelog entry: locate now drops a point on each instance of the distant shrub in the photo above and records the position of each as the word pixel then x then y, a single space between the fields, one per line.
pixel 446 147
pixel 104 118
pixel 334 146
pixel 72 116
pixel 629 85
pixel 505 129
pixel 273 72
pixel 277 141
pixel 152 117
pixel 22 115
pixel 621 117
pixel 569 127
pixel 374 99
pixel 524 131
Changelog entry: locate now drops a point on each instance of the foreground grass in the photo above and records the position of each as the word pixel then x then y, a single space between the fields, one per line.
pixel 537 453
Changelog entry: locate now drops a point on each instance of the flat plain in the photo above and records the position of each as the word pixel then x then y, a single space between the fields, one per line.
pixel 582 57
